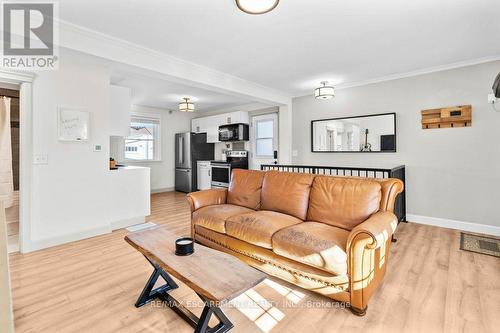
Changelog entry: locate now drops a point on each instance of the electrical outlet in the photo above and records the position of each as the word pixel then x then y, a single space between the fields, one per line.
pixel 40 159
pixel 295 153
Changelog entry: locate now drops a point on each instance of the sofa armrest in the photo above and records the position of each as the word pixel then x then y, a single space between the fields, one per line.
pixel 367 250
pixel 379 227
pixel 204 198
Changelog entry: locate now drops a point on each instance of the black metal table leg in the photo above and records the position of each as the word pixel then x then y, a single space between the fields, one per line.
pixel 148 294
pixel 204 320
pixel 210 309
pixel 199 324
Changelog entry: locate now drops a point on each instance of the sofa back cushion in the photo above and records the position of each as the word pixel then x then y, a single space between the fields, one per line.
pixel 343 202
pixel 286 192
pixel 245 188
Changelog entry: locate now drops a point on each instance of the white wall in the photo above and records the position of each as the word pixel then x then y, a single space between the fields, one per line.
pixel 69 194
pixel 451 173
pixel 162 172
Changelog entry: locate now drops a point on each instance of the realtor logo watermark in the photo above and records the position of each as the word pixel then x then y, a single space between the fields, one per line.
pixel 30 35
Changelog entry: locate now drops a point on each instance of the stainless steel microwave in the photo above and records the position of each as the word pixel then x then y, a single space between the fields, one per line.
pixel 233 132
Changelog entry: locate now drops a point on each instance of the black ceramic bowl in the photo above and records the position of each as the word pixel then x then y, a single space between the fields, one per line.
pixel 184 246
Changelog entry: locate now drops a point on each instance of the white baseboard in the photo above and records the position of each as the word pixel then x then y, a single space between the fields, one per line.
pixel 453 224
pixel 127 223
pixel 38 244
pixel 161 190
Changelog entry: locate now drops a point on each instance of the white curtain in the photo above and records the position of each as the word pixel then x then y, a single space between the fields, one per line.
pixel 6 178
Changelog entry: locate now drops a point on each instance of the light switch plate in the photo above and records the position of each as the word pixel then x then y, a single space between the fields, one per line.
pixel 97 148
pixel 295 153
pixel 40 159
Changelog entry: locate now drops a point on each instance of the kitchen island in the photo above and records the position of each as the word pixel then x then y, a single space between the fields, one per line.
pixel 130 194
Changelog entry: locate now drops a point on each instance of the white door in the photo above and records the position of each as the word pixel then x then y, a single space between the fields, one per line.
pixel 264 140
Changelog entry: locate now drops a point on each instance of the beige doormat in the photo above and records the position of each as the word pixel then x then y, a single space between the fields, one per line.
pixel 480 244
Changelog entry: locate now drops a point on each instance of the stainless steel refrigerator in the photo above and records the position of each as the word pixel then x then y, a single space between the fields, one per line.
pixel 189 149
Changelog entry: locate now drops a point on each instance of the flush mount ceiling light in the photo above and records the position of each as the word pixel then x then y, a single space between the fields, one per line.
pixel 325 91
pixel 257 7
pixel 186 106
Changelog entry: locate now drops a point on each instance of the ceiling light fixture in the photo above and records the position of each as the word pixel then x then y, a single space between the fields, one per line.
pixel 256 7
pixel 186 106
pixel 325 91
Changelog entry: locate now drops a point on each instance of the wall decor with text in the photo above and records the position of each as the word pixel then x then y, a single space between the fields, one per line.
pixel 73 124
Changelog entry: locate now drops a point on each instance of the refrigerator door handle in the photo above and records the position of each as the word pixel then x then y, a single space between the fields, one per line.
pixel 181 152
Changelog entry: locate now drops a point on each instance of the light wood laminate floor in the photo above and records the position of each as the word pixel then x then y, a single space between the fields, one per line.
pixel 91 286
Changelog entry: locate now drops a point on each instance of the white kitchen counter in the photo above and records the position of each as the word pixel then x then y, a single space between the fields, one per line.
pixel 130 194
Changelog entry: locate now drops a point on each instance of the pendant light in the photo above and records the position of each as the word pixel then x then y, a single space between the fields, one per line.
pixel 186 106
pixel 257 7
pixel 325 91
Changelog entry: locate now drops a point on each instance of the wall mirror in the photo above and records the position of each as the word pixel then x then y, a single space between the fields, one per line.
pixel 371 133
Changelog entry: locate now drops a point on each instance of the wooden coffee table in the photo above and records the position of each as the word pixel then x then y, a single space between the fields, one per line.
pixel 215 276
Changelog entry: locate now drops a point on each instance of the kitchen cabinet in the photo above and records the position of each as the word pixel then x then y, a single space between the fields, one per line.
pixel 119 103
pixel 198 125
pixel 204 175
pixel 210 124
pixel 212 128
pixel 238 117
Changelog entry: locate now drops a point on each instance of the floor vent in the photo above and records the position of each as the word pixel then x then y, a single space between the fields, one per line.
pixel 141 226
pixel 480 244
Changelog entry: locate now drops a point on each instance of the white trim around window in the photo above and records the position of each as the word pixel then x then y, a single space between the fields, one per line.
pixel 152 122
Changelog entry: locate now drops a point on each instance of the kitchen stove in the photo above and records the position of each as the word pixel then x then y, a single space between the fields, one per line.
pixel 221 170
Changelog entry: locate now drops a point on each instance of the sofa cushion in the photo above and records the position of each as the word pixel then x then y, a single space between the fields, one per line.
pixel 245 188
pixel 343 202
pixel 257 228
pixel 286 192
pixel 313 243
pixel 214 217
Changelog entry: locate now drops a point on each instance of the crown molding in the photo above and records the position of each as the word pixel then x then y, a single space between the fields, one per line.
pixel 92 42
pixel 15 77
pixel 418 72
pixel 422 71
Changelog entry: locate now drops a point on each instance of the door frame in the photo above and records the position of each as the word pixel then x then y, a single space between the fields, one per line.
pixel 25 82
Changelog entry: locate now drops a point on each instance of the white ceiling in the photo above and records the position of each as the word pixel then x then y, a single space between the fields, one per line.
pixel 302 42
pixel 164 94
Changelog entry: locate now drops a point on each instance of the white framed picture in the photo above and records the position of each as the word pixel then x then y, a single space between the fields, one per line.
pixel 73 124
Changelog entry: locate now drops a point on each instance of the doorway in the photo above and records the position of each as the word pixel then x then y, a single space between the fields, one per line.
pixel 12 212
pixel 23 83
pixel 264 140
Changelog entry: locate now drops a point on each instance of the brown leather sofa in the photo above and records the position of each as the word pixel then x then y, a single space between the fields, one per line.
pixel 327 234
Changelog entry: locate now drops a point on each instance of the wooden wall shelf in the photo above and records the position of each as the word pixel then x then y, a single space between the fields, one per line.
pixel 455 116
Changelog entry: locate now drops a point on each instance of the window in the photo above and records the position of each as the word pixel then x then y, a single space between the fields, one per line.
pixel 264 138
pixel 143 143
